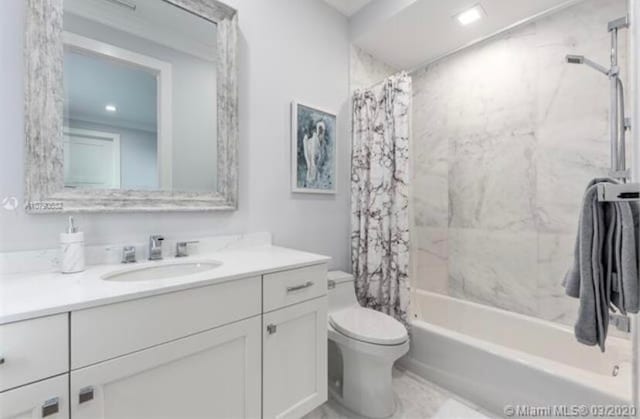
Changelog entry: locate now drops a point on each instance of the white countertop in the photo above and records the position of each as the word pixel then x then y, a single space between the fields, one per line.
pixel 24 295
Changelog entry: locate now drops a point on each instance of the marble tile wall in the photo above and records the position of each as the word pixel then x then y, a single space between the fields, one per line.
pixel 366 70
pixel 505 137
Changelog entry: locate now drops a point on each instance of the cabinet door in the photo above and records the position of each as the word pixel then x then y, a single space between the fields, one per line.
pixel 45 399
pixel 213 374
pixel 295 359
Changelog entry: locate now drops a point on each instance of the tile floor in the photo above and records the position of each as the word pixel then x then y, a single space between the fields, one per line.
pixel 417 399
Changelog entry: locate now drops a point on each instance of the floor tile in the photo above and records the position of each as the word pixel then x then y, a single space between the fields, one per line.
pixel 416 398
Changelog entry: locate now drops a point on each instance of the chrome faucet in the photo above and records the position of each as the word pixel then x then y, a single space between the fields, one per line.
pixel 155 247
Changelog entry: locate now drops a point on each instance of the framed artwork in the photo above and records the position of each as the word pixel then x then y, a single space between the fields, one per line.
pixel 313 150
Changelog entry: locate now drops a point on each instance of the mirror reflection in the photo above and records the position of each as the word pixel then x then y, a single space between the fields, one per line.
pixel 133 72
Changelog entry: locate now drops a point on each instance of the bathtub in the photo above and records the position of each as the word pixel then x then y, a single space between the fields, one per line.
pixel 495 358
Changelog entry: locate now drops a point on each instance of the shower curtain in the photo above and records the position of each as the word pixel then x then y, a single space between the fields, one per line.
pixel 380 196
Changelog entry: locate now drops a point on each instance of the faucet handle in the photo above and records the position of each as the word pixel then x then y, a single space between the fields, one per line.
pixel 182 248
pixel 129 254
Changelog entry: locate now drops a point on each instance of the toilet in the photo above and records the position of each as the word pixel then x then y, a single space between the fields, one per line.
pixel 363 345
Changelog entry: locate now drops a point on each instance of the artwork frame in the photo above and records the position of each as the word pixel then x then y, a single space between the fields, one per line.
pixel 319 127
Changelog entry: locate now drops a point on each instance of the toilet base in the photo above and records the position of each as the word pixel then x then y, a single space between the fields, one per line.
pixel 367 378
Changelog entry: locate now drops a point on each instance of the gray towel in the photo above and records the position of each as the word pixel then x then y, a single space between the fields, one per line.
pixel 604 274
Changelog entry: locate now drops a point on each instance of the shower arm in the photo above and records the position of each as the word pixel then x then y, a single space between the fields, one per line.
pixel 580 59
pixel 598 67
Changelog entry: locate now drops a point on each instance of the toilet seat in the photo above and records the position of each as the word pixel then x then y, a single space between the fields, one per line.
pixel 368 325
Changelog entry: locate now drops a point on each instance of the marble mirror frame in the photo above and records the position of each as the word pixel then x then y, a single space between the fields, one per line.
pixel 44 99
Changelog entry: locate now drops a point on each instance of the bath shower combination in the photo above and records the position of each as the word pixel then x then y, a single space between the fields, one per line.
pixel 615 195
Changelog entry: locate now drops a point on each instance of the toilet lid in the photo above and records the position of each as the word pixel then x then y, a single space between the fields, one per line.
pixel 368 326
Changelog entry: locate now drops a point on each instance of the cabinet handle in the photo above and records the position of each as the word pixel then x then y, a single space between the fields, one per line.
pixel 1 360
pixel 300 287
pixel 271 329
pixel 85 395
pixel 50 407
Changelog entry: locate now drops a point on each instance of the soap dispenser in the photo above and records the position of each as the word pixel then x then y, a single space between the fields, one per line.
pixel 72 249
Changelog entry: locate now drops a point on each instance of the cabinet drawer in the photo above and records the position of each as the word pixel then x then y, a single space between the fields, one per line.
pixel 106 332
pixel 33 350
pixel 213 374
pixel 290 287
pixel 45 399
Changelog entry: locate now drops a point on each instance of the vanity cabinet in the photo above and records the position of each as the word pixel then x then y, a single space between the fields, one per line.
pixel 249 347
pixel 213 374
pixel 295 359
pixel 44 399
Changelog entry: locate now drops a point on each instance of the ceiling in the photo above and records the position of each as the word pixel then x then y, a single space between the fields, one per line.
pixel 427 29
pixel 348 7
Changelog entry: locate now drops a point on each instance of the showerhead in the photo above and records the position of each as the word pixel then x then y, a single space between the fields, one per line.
pixel 575 59
pixel 581 59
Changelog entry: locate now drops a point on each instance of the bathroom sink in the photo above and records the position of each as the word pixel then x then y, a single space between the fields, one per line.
pixel 162 271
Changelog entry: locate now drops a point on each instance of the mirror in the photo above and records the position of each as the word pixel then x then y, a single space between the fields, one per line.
pixel 148 115
pixel 140 96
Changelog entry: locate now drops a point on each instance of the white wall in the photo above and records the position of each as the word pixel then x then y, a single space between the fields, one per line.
pixel 289 49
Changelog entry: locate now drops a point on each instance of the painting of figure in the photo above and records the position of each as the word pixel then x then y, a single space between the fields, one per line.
pixel 313 150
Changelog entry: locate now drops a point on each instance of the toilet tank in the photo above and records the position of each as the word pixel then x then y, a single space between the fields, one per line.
pixel 341 293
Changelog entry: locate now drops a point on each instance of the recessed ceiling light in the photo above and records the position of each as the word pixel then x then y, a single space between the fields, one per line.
pixel 470 15
pixel 110 108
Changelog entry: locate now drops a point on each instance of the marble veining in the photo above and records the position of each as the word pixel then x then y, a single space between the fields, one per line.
pixel 44 96
pixel 506 136
pixel 432 259
pixel 495 267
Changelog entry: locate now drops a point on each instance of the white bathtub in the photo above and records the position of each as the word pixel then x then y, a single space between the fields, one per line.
pixel 496 358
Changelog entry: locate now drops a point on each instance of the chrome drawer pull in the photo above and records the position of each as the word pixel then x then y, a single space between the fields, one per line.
pixel 300 287
pixel 86 394
pixel 50 407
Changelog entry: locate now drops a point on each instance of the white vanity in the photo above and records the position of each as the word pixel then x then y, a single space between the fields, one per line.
pixel 246 339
